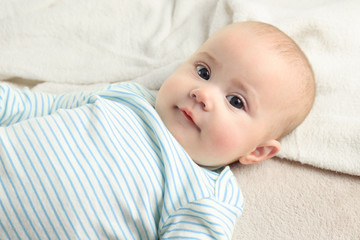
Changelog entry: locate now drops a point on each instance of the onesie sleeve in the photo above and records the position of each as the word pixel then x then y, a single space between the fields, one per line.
pixel 204 219
pixel 207 218
pixel 17 105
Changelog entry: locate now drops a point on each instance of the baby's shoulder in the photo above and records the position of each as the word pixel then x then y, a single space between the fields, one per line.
pixel 133 89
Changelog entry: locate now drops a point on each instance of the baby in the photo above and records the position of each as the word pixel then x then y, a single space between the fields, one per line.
pixel 243 89
pixel 107 164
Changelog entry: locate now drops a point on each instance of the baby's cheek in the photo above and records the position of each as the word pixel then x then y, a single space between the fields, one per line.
pixel 225 142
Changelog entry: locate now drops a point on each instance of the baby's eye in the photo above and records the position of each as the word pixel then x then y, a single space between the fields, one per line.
pixel 203 72
pixel 236 102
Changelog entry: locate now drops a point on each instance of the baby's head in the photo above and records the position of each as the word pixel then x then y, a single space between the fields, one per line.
pixel 245 88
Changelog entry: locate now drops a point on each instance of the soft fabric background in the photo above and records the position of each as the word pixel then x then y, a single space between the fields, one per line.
pixel 69 45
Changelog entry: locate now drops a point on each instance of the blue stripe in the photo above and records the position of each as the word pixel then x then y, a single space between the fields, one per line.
pixel 100 168
pixel 159 163
pixel 11 202
pixel 138 158
pixel 39 178
pixel 48 104
pixel 215 209
pixel 164 149
pixel 85 173
pixel 3 227
pixel 24 189
pixel 56 173
pixel 28 106
pixel 130 114
pixel 35 102
pixel 134 126
pixel 144 157
pixel 195 216
pixel 182 230
pixel 16 213
pixel 114 107
pixel 42 104
pixel 48 177
pixel 205 214
pixel 58 101
pixel 162 146
pixel 74 171
pixel 7 90
pixel 231 197
pixel 92 169
pixel 136 185
pixel 13 105
pixel 22 103
pixel 195 224
pixel 70 148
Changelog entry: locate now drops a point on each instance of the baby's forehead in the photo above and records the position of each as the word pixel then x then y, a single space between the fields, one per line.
pixel 235 39
pixel 265 34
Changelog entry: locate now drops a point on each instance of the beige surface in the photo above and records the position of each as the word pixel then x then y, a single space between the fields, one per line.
pixel 288 200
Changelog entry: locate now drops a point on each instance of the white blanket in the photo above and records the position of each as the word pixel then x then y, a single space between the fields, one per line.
pixel 66 44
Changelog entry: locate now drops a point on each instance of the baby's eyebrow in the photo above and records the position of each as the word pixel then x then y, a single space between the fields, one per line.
pixel 210 57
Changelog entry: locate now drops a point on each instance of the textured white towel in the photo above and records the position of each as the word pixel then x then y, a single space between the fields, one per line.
pixel 329 33
pixel 91 41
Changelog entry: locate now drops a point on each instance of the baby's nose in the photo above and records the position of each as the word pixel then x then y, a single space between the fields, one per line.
pixel 204 96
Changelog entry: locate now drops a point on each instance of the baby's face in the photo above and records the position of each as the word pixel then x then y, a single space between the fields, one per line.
pixel 220 103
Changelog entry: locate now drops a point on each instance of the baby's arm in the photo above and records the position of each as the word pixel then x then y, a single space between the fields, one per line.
pixel 18 105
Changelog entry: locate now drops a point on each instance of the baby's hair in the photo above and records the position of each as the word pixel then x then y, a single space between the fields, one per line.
pixel 303 77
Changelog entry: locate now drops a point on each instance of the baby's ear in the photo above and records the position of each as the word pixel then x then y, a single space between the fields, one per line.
pixel 264 151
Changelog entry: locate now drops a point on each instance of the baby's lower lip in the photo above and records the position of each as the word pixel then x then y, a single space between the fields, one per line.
pixel 188 116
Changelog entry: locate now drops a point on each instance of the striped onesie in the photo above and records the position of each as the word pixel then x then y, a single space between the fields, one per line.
pixel 102 165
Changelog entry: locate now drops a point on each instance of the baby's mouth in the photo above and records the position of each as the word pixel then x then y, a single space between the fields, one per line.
pixel 188 115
